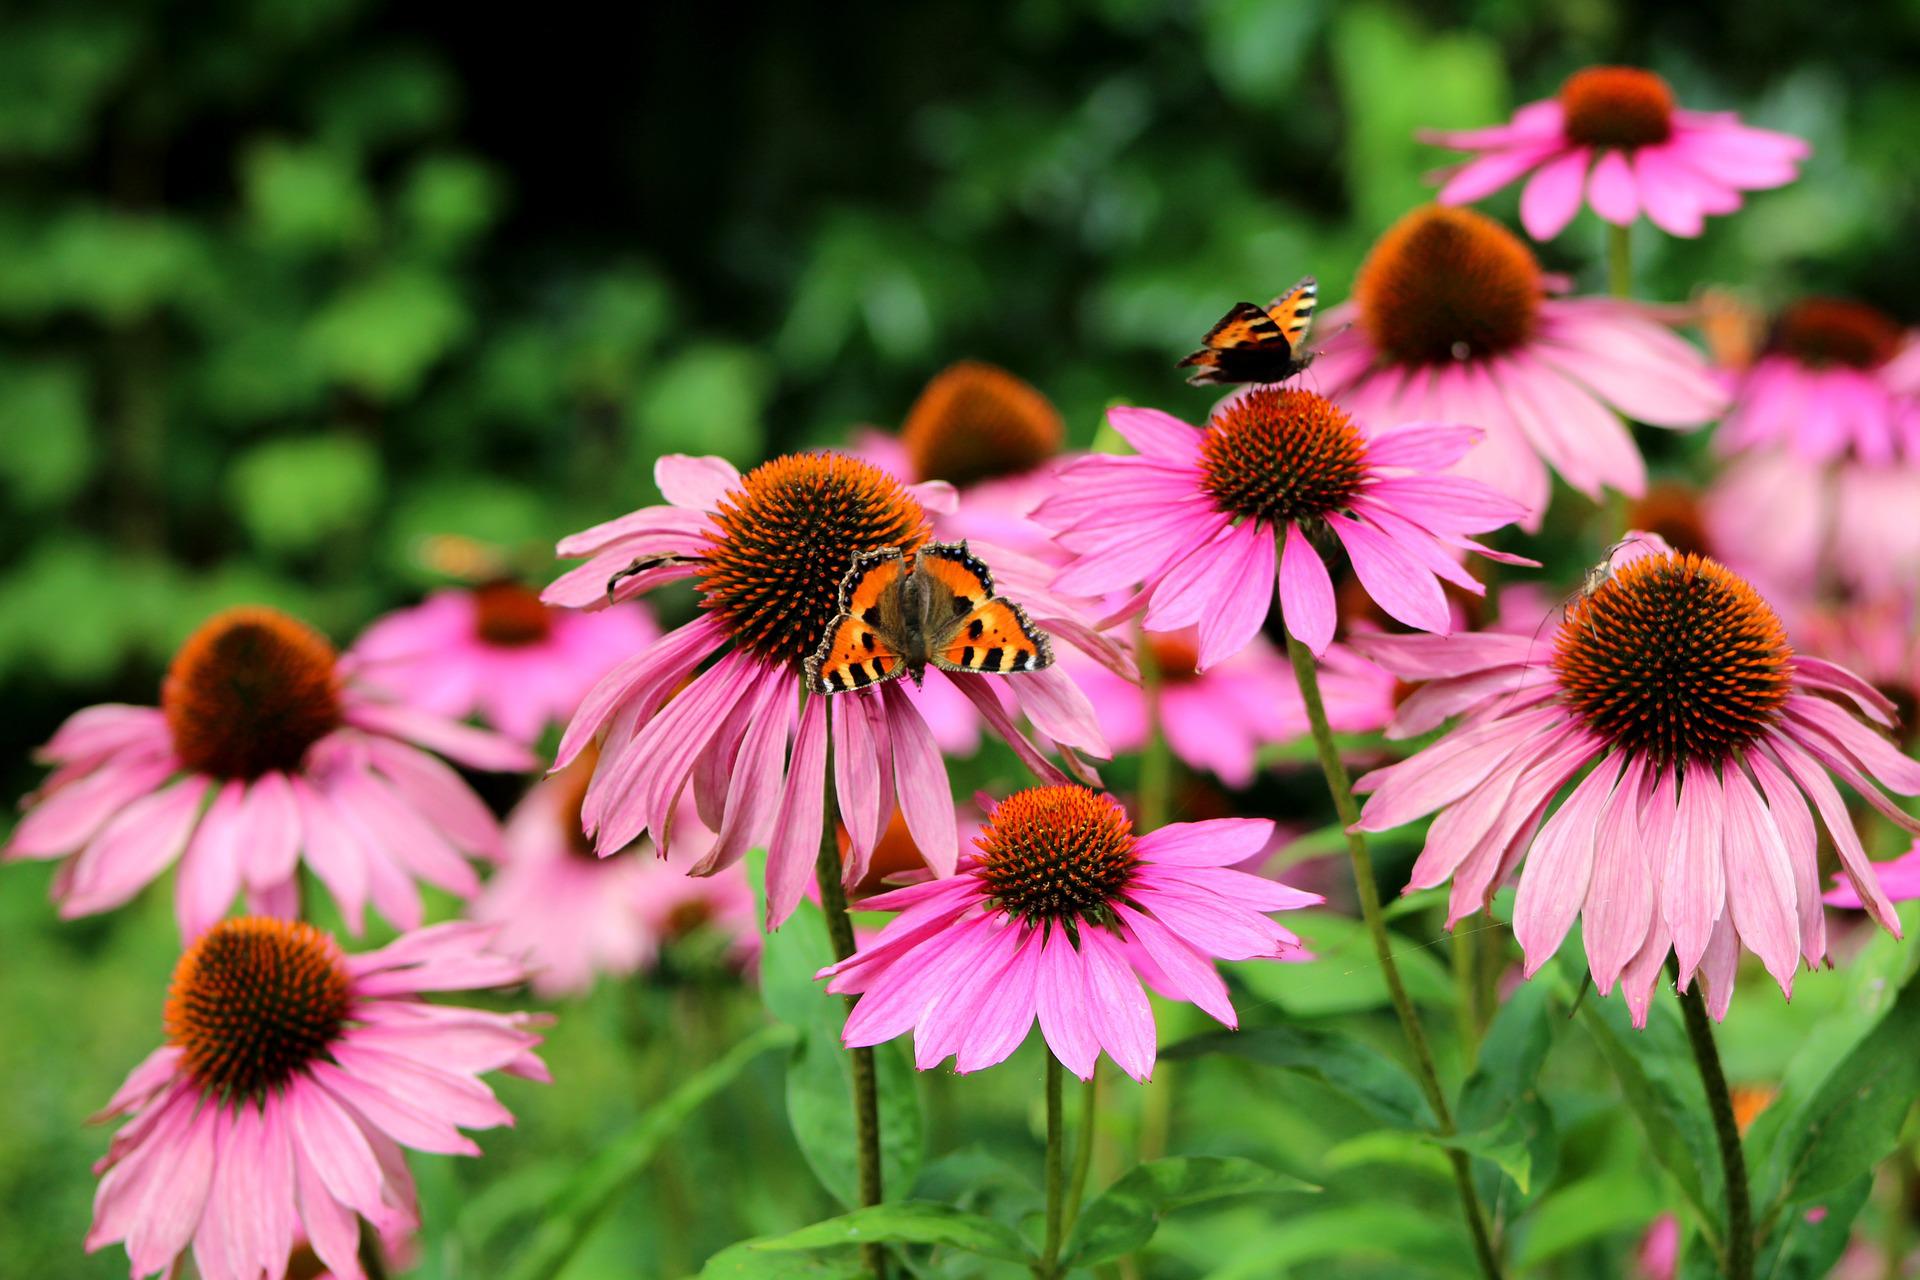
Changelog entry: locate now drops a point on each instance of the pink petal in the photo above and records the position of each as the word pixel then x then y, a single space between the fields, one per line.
pixel 1192 976
pixel 134 848
pixel 1396 580
pixel 1760 890
pixel 920 779
pixel 1559 868
pixel 268 841
pixel 1694 888
pixel 796 830
pixel 1422 446
pixel 1620 895
pixel 1488 173
pixel 1060 999
pixel 1230 628
pixel 1610 189
pixel 1552 196
pixel 210 868
pixel 462 743
pixel 1306 593
pixel 1218 842
pixel 694 482
pixel 1155 434
pixel 1117 1006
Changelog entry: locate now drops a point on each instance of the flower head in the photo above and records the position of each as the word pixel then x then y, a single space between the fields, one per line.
pixel 1701 736
pixel 265 751
pixel 1060 913
pixel 1616 135
pixel 1453 319
pixel 572 914
pixel 770 550
pixel 496 652
pixel 976 422
pixel 1198 517
pixel 292 1079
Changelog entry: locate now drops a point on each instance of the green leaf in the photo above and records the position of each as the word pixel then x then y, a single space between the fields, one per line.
pixel 1501 1115
pixel 1344 976
pixel 621 1159
pixel 745 1262
pixel 1854 1120
pixel 707 399
pixel 1799 1248
pixel 1124 1218
pixel 383 334
pixel 308 197
pixel 907 1222
pixel 43 419
pixel 1505 1146
pixel 1617 1201
pixel 1350 1067
pixel 294 494
pixel 1655 1071
pixel 448 200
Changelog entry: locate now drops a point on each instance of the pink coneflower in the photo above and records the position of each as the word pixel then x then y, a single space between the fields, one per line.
pixel 770 550
pixel 1706 736
pixel 1877 639
pixel 1197 517
pixel 264 751
pixel 573 915
pixel 1658 1257
pixel 292 1081
pixel 1219 719
pixel 498 653
pixel 1645 154
pixel 1453 320
pixel 1824 434
pixel 1060 914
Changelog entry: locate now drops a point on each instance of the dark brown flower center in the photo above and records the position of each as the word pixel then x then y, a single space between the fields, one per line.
pixel 253 1001
pixel 1832 331
pixel 510 615
pixel 1282 454
pixel 1060 853
pixel 1447 284
pixel 249 692
pixel 787 538
pixel 1672 512
pixel 975 421
pixel 1617 107
pixel 1676 659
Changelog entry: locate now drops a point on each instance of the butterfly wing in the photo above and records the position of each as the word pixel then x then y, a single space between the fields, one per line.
pixel 997 638
pixel 1292 312
pixel 959 574
pixel 1245 326
pixel 855 652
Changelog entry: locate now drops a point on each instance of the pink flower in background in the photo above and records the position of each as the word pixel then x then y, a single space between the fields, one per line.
pixel 1452 320
pixel 498 653
pixel 572 915
pixel 1824 436
pixel 293 1079
pixel 1615 136
pixel 1898 879
pixel 1659 1254
pixel 1707 735
pixel 1198 516
pixel 770 550
pixel 1218 720
pixel 1877 639
pixel 1060 915
pixel 265 751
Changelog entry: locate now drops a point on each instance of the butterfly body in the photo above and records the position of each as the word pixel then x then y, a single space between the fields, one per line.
pixel 1257 344
pixel 899 616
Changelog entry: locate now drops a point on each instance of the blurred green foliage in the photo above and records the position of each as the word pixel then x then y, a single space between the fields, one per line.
pixel 287 286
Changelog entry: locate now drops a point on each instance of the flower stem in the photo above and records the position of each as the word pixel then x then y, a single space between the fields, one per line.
pixel 1050 1256
pixel 1368 892
pixel 866 1091
pixel 1726 1131
pixel 1620 260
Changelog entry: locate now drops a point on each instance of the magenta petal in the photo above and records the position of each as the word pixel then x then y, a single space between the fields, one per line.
pixel 796 831
pixel 1218 842
pixel 1155 434
pixel 140 843
pixel 1306 593
pixel 1395 578
pixel 1060 999
pixel 1694 888
pixel 1231 627
pixel 1191 975
pixel 695 482
pixel 210 868
pixel 920 778
pixel 269 841
pixel 1788 809
pixel 1552 196
pixel 1554 884
pixel 1610 189
pixel 1760 892
pixel 1117 1005
pixel 1620 895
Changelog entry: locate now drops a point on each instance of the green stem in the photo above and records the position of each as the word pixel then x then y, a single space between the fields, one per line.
pixel 1466 957
pixel 1368 892
pixel 866 1090
pixel 372 1261
pixel 1620 260
pixel 1083 1154
pixel 1156 760
pixel 1056 1180
pixel 1726 1131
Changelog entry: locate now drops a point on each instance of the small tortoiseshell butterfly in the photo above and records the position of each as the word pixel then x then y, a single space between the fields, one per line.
pixel 1257 344
pixel 938 609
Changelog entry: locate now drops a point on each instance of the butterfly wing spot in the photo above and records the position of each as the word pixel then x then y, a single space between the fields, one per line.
pixel 853 656
pixel 995 639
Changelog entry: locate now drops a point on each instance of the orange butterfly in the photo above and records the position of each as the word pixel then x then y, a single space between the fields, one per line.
pixel 1258 344
pixel 938 609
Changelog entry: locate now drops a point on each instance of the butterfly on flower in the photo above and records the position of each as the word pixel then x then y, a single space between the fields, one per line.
pixel 1257 344
pixel 937 608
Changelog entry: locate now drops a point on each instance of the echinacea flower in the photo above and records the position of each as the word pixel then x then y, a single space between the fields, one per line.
pixel 1453 320
pixel 573 915
pixel 1219 719
pixel 498 653
pixel 265 752
pixel 1701 736
pixel 1824 436
pixel 770 550
pixel 1616 136
pixel 1199 517
pixel 1059 915
pixel 293 1079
